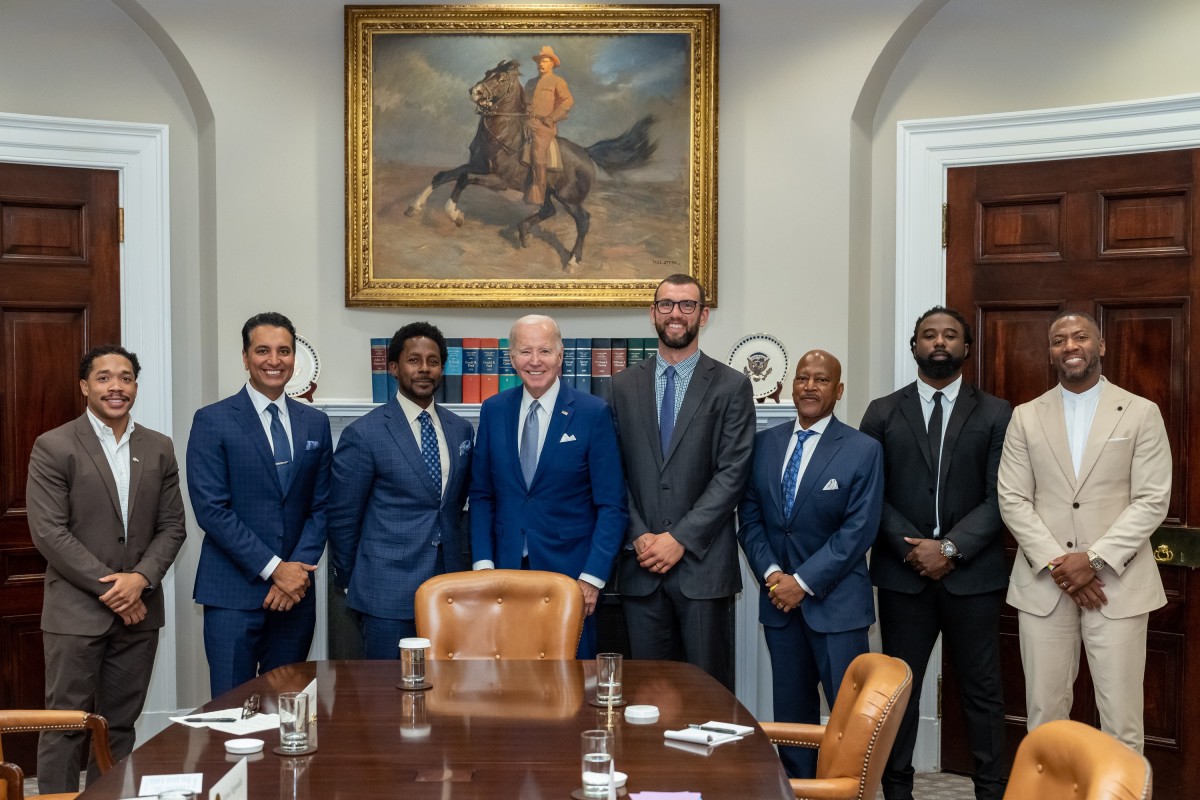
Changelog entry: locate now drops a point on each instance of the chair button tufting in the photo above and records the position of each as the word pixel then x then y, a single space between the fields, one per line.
pixel 497 656
pixel 450 601
pixel 1040 768
pixel 545 599
pixel 541 655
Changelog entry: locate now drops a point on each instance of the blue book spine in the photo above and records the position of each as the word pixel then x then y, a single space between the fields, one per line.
pixel 379 370
pixel 568 363
pixel 508 375
pixel 453 371
pixel 583 365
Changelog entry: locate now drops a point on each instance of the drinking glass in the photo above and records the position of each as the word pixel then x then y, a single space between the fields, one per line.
pixel 608 678
pixel 597 762
pixel 412 662
pixel 293 722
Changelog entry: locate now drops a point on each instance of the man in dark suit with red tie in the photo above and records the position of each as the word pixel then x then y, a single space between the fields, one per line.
pixel 939 558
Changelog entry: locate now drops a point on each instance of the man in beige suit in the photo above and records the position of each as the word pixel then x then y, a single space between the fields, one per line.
pixel 1084 480
pixel 106 513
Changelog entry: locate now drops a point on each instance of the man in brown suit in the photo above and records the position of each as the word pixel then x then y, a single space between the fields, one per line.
pixel 548 101
pixel 1085 479
pixel 106 513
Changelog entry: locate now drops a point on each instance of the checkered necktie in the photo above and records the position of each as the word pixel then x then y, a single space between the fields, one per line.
pixel 791 475
pixel 429 449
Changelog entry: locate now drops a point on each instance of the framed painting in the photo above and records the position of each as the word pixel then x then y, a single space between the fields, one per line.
pixel 529 155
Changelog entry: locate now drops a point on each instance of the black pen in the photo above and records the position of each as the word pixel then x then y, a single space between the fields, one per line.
pixel 209 719
pixel 713 729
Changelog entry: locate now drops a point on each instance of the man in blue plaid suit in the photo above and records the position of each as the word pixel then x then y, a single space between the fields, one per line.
pixel 399 487
pixel 258 466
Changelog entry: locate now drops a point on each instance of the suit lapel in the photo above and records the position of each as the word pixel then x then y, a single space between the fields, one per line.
pixel 910 409
pixel 1050 415
pixel 253 430
pixel 137 452
pixel 298 420
pixel 401 431
pixel 828 443
pixel 91 445
pixel 697 389
pixel 511 442
pixel 649 417
pixel 452 447
pixel 560 417
pixel 1110 407
pixel 776 450
pixel 964 406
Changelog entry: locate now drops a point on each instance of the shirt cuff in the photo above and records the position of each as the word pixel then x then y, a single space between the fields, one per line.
pixel 269 569
pixel 771 570
pixel 592 579
pixel 483 564
pixel 803 586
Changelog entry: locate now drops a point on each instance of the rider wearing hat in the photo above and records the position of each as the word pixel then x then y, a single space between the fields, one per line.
pixel 548 102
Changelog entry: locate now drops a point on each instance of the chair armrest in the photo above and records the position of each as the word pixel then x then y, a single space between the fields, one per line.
pixel 826 788
pixel 794 734
pixel 37 720
pixel 12 782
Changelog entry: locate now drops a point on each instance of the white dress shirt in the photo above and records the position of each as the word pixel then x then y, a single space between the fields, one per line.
pixel 1079 410
pixel 949 395
pixel 261 401
pixel 117 455
pixel 810 445
pixel 411 413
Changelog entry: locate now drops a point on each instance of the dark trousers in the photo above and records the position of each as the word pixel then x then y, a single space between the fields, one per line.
pixel 381 636
pixel 667 626
pixel 800 659
pixel 240 645
pixel 970 629
pixel 107 675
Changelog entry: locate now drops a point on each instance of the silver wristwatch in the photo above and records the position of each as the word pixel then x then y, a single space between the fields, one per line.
pixel 949 549
pixel 1096 562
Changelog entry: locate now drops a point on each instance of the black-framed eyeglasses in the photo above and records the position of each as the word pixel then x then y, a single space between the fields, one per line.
pixel 667 306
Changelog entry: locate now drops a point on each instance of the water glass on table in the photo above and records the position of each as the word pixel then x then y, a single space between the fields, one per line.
pixel 412 662
pixel 608 678
pixel 293 722
pixel 597 762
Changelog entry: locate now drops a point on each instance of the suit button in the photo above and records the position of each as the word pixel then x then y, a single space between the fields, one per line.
pixel 1074 505
pixel 666 523
pixel 931 490
pixel 121 540
pixel 1070 544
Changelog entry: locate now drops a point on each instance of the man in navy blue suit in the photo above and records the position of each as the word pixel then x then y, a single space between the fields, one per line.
pixel 547 490
pixel 399 486
pixel 258 476
pixel 809 516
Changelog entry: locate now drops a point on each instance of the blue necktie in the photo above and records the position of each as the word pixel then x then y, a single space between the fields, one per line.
pixel 429 449
pixel 666 412
pixel 279 443
pixel 791 475
pixel 529 445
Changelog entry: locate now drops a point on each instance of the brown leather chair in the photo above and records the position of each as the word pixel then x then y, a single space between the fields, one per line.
pixel 22 721
pixel 1069 759
pixel 854 745
pixel 500 613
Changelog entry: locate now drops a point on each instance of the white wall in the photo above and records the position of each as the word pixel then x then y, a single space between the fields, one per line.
pixel 810 92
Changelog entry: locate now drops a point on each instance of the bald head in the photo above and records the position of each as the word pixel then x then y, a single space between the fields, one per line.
pixel 817 386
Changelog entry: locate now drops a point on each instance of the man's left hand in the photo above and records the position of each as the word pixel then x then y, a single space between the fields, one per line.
pixel 1074 569
pixel 134 614
pixel 590 596
pixel 661 554
pixel 126 590
pixel 784 590
pixel 927 559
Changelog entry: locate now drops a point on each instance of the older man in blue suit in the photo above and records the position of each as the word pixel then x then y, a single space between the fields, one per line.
pixel 547 489
pixel 809 516
pixel 399 486
pixel 258 475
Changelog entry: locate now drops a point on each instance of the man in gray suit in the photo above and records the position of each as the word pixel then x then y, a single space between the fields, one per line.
pixel 685 424
pixel 106 513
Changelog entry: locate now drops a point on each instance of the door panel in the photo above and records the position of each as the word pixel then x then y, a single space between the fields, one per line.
pixel 59 295
pixel 1113 237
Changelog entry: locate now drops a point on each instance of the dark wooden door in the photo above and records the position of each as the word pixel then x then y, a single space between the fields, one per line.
pixel 1114 237
pixel 59 295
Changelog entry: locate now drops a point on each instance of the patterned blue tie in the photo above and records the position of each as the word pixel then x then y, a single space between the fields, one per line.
pixel 280 446
pixel 429 449
pixel 666 412
pixel 791 475
pixel 529 445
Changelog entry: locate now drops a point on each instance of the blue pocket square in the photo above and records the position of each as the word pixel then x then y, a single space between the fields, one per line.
pixel 311 445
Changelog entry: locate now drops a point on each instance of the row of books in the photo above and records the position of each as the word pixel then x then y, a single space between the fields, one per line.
pixel 476 369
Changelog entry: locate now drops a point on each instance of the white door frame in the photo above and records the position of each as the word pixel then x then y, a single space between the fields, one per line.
pixel 139 153
pixel 926 149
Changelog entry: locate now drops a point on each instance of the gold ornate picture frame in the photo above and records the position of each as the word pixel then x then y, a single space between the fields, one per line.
pixel 437 176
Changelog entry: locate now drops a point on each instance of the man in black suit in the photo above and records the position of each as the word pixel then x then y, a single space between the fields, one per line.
pixel 939 558
pixel 685 424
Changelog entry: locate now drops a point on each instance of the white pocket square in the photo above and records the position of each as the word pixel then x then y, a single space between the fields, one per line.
pixel 311 445
pixel 567 438
pixel 831 486
pixel 1119 439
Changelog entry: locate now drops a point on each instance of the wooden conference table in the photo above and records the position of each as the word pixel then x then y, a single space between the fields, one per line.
pixel 486 729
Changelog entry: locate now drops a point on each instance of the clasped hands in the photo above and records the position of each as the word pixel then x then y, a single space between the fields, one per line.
pixel 289 583
pixel 124 597
pixel 657 552
pixel 1073 573
pixel 927 559
pixel 784 591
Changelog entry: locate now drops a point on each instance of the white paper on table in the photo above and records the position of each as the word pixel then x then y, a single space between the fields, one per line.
pixel 233 785
pixel 155 784
pixel 311 691
pixel 687 747
pixel 740 730
pixel 242 727
pixel 697 736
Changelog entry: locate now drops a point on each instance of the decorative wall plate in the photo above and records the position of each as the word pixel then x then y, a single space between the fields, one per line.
pixel 764 359
pixel 308 367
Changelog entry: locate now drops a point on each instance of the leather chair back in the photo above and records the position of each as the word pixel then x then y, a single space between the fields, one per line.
pixel 500 613
pixel 864 720
pixel 1069 759
pixel 37 720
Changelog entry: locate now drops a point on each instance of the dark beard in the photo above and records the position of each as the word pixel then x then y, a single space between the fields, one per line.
pixel 689 336
pixel 938 370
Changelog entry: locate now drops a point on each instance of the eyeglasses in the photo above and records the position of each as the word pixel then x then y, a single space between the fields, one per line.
pixel 667 306
pixel 252 706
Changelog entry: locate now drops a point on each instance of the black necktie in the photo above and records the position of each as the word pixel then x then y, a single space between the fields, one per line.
pixel 935 449
pixel 666 411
